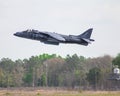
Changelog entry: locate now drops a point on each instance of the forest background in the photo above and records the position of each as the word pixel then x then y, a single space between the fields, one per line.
pixel 48 70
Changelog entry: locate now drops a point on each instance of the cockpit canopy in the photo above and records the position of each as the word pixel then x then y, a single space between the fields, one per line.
pixel 30 30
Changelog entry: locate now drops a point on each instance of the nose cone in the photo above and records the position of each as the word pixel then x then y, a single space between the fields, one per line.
pixel 16 34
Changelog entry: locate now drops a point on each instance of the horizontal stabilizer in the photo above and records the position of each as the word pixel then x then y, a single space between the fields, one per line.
pixel 86 40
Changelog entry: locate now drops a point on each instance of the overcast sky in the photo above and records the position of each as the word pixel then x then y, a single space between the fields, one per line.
pixel 60 16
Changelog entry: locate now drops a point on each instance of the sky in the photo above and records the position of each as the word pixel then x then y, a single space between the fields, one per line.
pixel 60 16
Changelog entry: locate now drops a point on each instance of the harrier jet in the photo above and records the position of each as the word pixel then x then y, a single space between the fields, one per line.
pixel 55 38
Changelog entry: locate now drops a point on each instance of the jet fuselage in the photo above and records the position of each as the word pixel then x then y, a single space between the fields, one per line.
pixel 55 38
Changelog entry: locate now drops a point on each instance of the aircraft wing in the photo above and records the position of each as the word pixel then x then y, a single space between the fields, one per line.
pixel 56 36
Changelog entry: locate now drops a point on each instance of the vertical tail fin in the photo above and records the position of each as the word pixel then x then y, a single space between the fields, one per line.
pixel 86 34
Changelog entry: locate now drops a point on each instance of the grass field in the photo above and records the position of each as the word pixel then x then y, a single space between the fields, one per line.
pixel 57 93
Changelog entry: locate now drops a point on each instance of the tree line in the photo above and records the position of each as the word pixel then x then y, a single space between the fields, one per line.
pixel 55 71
